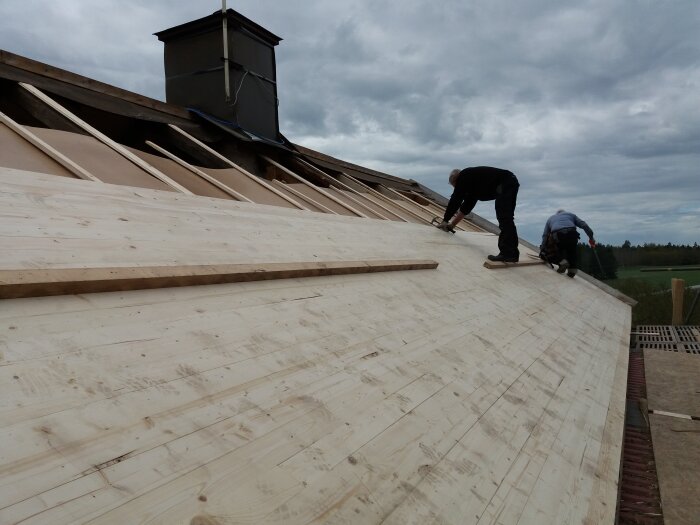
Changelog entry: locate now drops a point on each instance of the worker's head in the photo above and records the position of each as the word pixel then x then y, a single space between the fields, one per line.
pixel 453 177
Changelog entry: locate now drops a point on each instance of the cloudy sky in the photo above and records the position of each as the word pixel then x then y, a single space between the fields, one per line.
pixel 593 104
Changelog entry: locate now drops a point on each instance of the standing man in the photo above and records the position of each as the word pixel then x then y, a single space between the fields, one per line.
pixel 561 231
pixel 484 183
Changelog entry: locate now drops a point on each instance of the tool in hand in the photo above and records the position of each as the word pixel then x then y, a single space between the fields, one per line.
pixel 437 221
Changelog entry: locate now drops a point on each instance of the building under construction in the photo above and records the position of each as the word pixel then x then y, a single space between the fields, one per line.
pixel 204 323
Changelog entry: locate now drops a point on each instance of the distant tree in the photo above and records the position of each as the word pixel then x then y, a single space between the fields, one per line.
pixel 601 263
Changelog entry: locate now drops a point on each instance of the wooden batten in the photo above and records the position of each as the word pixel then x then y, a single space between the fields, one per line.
pixel 315 188
pixel 105 139
pixel 49 150
pixel 302 198
pixel 496 265
pixel 358 198
pixel 232 164
pixel 236 195
pixel 68 281
pixel 417 208
pixel 387 199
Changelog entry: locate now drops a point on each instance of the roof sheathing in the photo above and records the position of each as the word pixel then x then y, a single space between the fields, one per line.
pixel 402 398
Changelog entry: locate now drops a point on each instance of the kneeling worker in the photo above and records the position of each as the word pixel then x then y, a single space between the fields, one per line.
pixel 561 231
pixel 484 183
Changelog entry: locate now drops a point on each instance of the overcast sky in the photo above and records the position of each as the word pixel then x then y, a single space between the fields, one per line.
pixel 593 104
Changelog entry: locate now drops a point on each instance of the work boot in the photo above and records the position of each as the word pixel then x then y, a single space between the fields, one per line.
pixel 503 258
pixel 563 266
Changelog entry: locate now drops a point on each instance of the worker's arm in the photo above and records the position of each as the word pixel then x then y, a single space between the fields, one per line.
pixel 460 197
pixel 453 205
pixel 457 218
pixel 582 224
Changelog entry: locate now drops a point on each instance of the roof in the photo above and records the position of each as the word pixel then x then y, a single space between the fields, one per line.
pixel 393 395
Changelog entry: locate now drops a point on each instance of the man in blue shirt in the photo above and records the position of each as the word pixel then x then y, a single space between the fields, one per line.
pixel 560 230
pixel 484 183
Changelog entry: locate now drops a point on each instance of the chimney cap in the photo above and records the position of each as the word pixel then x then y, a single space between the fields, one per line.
pixel 213 22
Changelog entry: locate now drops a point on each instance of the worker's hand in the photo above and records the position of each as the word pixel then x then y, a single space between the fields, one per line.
pixel 591 243
pixel 444 226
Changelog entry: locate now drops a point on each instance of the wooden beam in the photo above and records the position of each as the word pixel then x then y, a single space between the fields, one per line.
pixel 105 139
pixel 69 281
pixel 350 189
pixel 313 187
pixel 42 113
pixel 677 291
pixel 387 199
pixel 495 265
pixel 46 148
pixel 65 83
pixel 200 173
pixel 404 198
pixel 232 164
pixel 304 198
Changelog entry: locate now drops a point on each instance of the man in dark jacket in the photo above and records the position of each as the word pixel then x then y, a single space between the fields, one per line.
pixel 560 230
pixel 484 183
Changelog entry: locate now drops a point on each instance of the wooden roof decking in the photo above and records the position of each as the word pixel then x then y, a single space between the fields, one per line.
pixel 456 395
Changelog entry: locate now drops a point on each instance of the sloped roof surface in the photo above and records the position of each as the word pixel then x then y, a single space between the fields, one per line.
pixel 452 395
pixel 408 397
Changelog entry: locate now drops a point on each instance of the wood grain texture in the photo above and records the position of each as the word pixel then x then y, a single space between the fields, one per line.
pixel 65 281
pixel 452 396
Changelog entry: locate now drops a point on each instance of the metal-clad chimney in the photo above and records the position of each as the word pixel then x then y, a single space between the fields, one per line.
pixel 195 70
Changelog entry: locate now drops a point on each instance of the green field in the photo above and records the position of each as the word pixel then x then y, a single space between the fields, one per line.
pixel 657 278
pixel 654 305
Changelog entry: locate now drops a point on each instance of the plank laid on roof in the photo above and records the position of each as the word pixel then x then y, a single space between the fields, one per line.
pixel 407 397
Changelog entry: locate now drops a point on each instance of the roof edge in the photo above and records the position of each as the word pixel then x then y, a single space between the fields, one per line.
pixel 10 61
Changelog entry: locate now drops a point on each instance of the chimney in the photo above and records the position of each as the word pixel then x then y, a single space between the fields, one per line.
pixel 194 71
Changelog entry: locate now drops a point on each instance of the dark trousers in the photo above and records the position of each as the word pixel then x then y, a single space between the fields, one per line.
pixel 505 213
pixel 567 241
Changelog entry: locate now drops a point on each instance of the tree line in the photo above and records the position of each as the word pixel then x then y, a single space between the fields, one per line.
pixel 603 261
pixel 651 254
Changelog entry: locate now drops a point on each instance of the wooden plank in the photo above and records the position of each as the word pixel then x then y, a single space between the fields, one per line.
pixel 52 152
pixel 313 187
pixel 105 139
pixel 200 173
pixel 496 265
pixel 38 283
pixel 229 162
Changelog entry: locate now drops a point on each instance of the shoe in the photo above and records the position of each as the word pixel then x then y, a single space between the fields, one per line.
pixel 572 273
pixel 502 258
pixel 563 266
